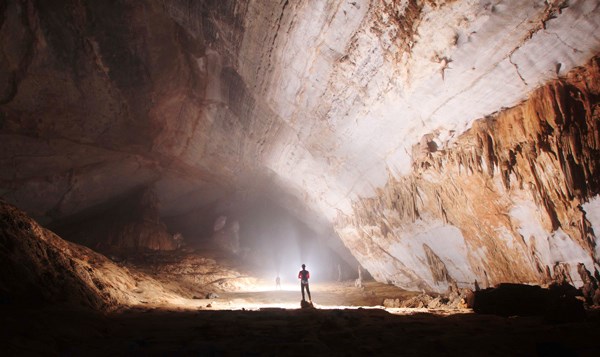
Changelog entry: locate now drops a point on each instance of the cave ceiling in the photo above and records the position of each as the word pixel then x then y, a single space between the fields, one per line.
pixel 316 105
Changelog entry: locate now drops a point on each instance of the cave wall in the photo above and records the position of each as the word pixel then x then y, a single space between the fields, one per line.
pixel 358 83
pixel 512 199
pixel 100 99
pixel 123 226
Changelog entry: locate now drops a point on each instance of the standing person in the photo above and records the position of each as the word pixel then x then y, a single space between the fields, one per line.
pixel 358 282
pixel 304 275
pixel 277 282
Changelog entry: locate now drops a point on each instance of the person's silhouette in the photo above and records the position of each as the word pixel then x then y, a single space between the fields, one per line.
pixel 304 275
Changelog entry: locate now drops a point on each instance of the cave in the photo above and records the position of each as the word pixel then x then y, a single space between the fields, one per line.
pixel 168 166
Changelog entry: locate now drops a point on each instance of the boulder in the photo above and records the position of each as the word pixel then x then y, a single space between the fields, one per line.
pixel 557 304
pixel 391 303
pixel 306 304
pixel 511 299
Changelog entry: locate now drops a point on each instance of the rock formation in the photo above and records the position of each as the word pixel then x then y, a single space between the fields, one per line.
pixel 504 202
pixel 436 142
pixel 133 224
pixel 40 267
pixel 556 304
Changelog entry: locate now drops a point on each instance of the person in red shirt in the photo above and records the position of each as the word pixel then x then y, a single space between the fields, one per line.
pixel 304 275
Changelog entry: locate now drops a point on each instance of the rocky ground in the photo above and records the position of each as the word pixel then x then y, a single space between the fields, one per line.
pixel 59 298
pixel 276 331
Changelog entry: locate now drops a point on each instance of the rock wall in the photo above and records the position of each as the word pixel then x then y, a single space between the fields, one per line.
pixel 510 200
pixel 355 84
pixel 40 267
pixel 103 98
pixel 131 225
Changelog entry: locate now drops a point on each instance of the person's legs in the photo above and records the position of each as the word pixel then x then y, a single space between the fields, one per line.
pixel 302 289
pixel 308 291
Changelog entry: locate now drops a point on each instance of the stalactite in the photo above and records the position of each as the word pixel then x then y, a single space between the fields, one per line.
pixel 545 149
pixel 436 265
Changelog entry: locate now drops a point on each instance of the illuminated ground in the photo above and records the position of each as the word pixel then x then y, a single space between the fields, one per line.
pixel 332 295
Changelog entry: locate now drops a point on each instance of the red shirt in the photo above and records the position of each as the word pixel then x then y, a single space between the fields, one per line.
pixel 304 275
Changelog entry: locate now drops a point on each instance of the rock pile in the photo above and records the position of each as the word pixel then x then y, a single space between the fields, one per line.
pixel 455 298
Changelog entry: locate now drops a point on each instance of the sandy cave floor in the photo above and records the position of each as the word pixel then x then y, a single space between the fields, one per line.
pixel 255 323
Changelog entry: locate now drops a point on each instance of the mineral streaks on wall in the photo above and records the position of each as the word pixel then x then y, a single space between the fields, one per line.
pixel 347 78
pixel 505 202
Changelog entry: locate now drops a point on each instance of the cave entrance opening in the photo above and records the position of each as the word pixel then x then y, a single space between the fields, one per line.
pixel 276 243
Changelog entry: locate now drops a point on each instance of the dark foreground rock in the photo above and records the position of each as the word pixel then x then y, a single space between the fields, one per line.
pixel 557 304
pixel 281 332
pixel 37 266
pixel 306 305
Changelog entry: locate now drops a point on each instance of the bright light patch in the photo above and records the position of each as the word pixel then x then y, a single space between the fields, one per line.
pixel 550 247
pixel 592 213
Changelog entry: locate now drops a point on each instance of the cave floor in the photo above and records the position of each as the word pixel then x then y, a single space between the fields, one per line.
pixel 328 295
pixel 260 323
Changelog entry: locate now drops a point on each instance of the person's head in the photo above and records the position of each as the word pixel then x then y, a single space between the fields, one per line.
pixel 303 266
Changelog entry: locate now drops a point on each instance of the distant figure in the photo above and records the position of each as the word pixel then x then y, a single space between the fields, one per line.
pixel 304 275
pixel 277 282
pixel 358 282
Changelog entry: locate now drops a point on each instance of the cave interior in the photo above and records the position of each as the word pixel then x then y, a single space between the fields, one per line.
pixel 167 166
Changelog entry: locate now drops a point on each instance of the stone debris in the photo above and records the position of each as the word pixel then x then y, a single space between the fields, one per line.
pixel 559 302
pixel 453 300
